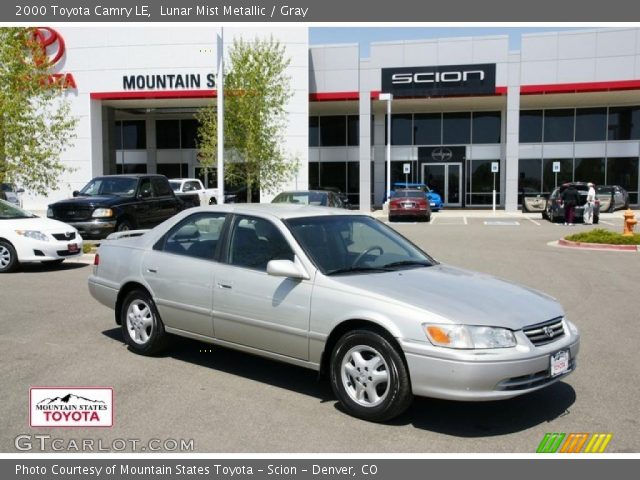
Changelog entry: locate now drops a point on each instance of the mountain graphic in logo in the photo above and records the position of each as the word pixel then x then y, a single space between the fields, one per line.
pixel 68 399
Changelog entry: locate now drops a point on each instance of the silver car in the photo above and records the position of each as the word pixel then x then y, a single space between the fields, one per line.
pixel 338 292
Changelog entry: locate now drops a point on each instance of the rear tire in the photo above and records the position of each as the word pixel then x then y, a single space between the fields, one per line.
pixel 8 257
pixel 369 376
pixel 142 327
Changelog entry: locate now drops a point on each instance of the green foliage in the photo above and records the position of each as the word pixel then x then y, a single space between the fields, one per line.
pixel 257 90
pixel 600 235
pixel 35 122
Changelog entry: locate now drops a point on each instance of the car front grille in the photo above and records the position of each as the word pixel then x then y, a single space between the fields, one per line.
pixel 546 332
pixel 537 379
pixel 72 213
pixel 63 237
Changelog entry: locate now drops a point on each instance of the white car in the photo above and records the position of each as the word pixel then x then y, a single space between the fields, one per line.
pixel 26 238
pixel 192 191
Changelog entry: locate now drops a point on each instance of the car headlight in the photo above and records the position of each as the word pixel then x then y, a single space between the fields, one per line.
pixel 50 212
pixel 102 213
pixel 35 234
pixel 469 337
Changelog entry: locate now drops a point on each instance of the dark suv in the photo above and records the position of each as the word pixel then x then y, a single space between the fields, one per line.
pixel 554 210
pixel 118 203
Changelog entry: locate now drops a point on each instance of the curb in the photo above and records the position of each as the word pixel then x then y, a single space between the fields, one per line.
pixel 598 246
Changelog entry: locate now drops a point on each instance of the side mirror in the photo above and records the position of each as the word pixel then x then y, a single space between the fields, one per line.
pixel 285 268
pixel 76 193
pixel 20 190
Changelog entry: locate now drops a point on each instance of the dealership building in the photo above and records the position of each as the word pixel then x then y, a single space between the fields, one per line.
pixel 467 113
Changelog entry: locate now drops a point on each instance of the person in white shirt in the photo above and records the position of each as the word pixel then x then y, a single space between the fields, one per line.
pixel 589 206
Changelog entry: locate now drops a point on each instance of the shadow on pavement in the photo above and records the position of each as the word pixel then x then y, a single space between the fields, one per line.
pixel 43 267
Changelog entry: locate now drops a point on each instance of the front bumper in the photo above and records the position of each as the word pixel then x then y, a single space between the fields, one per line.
pixel 485 375
pixel 31 250
pixel 95 229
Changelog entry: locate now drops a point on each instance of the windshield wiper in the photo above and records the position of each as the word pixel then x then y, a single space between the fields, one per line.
pixel 407 263
pixel 356 270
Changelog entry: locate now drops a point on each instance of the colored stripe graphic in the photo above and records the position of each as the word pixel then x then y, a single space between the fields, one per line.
pixel 574 442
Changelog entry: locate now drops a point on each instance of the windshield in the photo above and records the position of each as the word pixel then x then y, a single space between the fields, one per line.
pixel 605 190
pixel 303 198
pixel 8 211
pixel 344 244
pixel 6 187
pixel 119 186
pixel 175 186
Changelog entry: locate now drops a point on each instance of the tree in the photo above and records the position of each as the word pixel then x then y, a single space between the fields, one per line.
pixel 35 121
pixel 257 90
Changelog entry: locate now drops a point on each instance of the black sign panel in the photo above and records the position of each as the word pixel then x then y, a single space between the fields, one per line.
pixel 440 80
pixel 441 154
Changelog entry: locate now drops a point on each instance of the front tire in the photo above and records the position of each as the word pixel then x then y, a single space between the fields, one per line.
pixel 124 226
pixel 142 327
pixel 8 257
pixel 369 376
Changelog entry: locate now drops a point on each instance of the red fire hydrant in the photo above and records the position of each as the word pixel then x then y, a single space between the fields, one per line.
pixel 629 223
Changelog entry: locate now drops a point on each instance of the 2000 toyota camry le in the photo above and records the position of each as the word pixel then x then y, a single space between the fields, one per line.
pixel 338 292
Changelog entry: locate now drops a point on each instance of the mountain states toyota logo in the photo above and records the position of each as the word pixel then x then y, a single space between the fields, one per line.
pixel 70 407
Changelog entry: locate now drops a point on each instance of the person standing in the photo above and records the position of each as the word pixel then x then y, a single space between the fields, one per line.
pixel 570 198
pixel 590 205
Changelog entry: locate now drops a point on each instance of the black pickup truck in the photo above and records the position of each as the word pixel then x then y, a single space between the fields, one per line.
pixel 115 203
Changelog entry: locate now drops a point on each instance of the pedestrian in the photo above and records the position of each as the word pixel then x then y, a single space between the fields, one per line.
pixel 570 198
pixel 590 205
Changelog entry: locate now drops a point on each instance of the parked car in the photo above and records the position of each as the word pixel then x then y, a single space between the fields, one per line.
pixel 118 203
pixel 11 193
pixel 435 200
pixel 27 238
pixel 554 210
pixel 612 197
pixel 343 196
pixel 409 203
pixel 337 292
pixel 192 192
pixel 321 198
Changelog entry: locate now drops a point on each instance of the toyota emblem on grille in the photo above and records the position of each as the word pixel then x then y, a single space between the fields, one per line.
pixel 441 154
pixel 71 212
pixel 548 331
pixel 68 234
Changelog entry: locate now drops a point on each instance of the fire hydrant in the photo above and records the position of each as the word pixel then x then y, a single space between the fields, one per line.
pixel 629 222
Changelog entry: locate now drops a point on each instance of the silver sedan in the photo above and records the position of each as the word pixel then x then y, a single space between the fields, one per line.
pixel 338 292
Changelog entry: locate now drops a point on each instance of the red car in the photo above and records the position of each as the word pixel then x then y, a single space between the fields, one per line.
pixel 409 203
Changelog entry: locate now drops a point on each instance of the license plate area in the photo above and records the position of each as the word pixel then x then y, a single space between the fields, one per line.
pixel 73 248
pixel 559 363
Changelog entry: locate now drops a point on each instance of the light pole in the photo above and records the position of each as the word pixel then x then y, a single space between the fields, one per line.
pixel 220 115
pixel 388 97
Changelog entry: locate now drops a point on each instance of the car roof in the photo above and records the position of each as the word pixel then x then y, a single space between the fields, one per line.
pixel 279 210
pixel 303 192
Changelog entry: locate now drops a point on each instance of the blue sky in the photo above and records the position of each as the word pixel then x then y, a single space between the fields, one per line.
pixel 366 35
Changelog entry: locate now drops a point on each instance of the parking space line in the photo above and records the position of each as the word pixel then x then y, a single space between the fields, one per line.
pixel 465 220
pixel 433 220
pixel 608 223
pixel 532 220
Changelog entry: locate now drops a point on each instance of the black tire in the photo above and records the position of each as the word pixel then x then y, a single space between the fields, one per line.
pixel 213 201
pixel 154 339
pixel 596 219
pixel 428 218
pixel 8 257
pixel 395 393
pixel 53 263
pixel 391 219
pixel 124 225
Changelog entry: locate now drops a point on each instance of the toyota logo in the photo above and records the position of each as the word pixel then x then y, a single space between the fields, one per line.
pixel 50 45
pixel 442 154
pixel 548 331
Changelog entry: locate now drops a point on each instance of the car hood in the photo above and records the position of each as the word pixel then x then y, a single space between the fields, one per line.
pixel 37 223
pixel 460 296
pixel 101 200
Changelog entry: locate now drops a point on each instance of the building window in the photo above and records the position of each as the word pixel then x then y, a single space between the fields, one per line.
pixel 427 129
pixel 314 175
pixel 591 124
pixel 531 126
pixel 131 168
pixel 167 134
pixel 486 127
pixel 624 172
pixel 401 129
pixel 314 132
pixel 456 128
pixel 333 131
pixel 549 177
pixel 353 182
pixel 130 135
pixel 558 125
pixel 189 133
pixel 480 184
pixel 589 170
pixel 173 170
pixel 333 174
pixel 529 177
pixel 624 123
pixel 353 131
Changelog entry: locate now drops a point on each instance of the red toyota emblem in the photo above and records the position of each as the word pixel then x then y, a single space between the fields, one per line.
pixel 50 43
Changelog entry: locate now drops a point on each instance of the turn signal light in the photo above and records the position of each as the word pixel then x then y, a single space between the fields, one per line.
pixel 438 335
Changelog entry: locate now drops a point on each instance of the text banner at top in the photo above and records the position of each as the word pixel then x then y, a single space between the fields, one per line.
pixel 297 11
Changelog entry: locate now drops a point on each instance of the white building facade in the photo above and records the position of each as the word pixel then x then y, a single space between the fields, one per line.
pixel 460 105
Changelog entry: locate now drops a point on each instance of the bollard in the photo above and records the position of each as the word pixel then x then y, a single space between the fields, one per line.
pixel 629 222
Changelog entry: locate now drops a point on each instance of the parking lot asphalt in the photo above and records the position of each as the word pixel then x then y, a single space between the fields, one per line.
pixel 54 334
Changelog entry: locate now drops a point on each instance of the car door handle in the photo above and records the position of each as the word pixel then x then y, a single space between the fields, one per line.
pixel 152 270
pixel 224 285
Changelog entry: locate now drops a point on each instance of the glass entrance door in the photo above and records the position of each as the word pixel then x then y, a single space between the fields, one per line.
pixel 446 180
